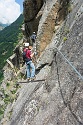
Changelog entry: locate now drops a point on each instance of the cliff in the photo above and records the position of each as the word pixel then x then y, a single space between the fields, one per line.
pixel 59 99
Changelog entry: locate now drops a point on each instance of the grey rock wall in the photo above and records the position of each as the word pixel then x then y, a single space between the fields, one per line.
pixel 59 99
pixel 31 9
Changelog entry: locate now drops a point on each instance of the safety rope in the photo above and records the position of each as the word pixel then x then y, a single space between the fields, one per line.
pixel 66 103
pixel 80 76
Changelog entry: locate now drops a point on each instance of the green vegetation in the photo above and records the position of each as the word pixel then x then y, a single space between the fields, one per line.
pixel 69 8
pixel 9 37
pixel 9 95
pixel 14 91
pixel 8 84
pixel 7 99
pixel 65 38
pixel 2 108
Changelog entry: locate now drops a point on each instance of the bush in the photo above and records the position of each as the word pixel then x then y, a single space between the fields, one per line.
pixel 1 111
pixel 64 39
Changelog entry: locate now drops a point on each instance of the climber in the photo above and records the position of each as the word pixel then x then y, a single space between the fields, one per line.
pixel 29 64
pixel 33 37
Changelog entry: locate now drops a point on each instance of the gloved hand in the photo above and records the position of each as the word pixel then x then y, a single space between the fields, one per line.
pixel 35 53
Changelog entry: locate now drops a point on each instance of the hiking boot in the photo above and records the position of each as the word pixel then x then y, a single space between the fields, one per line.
pixel 28 79
pixel 32 79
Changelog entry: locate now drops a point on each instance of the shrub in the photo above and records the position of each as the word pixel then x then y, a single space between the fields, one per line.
pixel 1 111
pixel 8 84
pixel 65 38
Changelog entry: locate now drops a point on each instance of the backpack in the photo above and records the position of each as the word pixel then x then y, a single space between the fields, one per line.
pixel 24 56
pixel 25 59
pixel 33 37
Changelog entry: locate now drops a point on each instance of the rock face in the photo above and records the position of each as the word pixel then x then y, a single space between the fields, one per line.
pixel 59 99
pixel 31 9
pixel 47 24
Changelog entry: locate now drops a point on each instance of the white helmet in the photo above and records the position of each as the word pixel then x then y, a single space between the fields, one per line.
pixel 26 44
